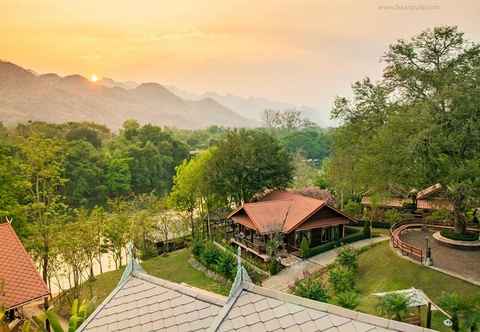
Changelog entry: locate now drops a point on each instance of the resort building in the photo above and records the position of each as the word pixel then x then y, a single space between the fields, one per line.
pixel 292 215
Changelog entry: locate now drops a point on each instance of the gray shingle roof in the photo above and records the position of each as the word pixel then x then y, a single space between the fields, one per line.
pixel 144 303
pixel 259 309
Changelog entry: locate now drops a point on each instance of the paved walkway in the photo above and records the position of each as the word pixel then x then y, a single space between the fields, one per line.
pixel 461 262
pixel 284 280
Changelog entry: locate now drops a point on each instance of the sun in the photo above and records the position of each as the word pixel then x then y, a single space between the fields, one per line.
pixel 93 78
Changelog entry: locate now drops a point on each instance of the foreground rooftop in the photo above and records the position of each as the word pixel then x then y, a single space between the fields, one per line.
pixel 141 302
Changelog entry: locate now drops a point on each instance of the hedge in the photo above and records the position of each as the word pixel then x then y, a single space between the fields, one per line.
pixel 220 261
pixel 377 224
pixel 451 234
pixel 331 245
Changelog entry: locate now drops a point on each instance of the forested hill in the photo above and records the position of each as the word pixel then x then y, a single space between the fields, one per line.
pixel 25 96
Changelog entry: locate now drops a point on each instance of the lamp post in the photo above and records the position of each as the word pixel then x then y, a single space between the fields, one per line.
pixel 428 252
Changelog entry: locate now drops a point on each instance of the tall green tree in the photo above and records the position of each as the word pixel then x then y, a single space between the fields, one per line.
pixel 247 162
pixel 418 125
pixel 84 167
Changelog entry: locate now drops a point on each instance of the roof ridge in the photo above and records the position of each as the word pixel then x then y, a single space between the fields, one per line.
pixel 102 305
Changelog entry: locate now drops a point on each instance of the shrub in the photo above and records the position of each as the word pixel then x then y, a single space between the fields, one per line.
pixel 451 234
pixel 210 255
pixel 353 208
pixel 348 257
pixel 197 248
pixel 342 279
pixel 392 216
pixel 442 215
pixel 349 300
pixel 393 305
pixel 330 245
pixel 312 289
pixel 226 265
pixel 305 247
pixel 274 266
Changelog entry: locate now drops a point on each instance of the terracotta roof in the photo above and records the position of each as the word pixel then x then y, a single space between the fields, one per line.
pixel 18 274
pixel 434 204
pixel 429 191
pixel 280 211
pixel 390 202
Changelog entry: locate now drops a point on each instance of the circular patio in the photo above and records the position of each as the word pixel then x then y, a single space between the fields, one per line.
pixel 462 262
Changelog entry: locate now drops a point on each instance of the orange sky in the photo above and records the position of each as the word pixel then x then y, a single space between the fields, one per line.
pixel 290 50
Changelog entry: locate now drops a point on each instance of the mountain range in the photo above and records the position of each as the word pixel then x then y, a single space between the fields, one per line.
pixel 28 96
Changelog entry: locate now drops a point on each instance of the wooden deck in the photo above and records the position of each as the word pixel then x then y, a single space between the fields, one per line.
pixel 247 248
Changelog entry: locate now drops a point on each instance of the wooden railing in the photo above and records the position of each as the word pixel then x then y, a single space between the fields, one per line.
pixel 405 248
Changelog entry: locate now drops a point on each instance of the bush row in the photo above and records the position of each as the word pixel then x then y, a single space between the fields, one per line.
pixel 331 245
pixel 451 234
pixel 220 261
pixel 341 288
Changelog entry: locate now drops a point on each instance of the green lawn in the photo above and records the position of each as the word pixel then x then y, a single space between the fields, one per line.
pixel 173 267
pixel 380 270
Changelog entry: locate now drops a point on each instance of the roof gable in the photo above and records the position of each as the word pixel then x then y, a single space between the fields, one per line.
pixel 19 277
pixel 280 211
pixel 145 303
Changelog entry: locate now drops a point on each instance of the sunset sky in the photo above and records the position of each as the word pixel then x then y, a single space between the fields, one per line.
pixel 296 51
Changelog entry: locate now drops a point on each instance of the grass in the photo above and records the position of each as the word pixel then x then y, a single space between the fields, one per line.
pixel 173 267
pixel 381 270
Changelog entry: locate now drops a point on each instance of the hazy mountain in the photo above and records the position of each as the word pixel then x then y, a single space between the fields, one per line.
pixel 252 107
pixel 25 96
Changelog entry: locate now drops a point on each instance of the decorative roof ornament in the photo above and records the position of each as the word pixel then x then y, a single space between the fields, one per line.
pixel 132 263
pixel 241 276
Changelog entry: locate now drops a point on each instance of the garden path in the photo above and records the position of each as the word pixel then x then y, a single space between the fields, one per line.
pixel 464 263
pixel 286 278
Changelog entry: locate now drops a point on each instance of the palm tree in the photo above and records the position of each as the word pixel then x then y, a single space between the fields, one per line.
pixel 394 305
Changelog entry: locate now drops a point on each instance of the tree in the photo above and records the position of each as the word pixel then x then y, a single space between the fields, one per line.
pixel 72 246
pixel 117 175
pixel 84 170
pixel 116 230
pixel 393 305
pixel 247 162
pixel 46 212
pixel 13 185
pixel 417 125
pixel 305 173
pixel 192 188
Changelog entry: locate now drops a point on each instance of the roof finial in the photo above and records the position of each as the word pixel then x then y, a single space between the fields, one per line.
pixel 239 258
pixel 132 263
pixel 241 276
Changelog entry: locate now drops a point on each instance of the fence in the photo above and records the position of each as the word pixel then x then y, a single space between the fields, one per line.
pixel 405 248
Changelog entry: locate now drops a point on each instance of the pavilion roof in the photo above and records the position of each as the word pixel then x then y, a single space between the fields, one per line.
pixel 280 211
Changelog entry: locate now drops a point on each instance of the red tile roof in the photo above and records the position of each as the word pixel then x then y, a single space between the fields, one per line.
pixel 279 211
pixel 434 204
pixel 19 277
